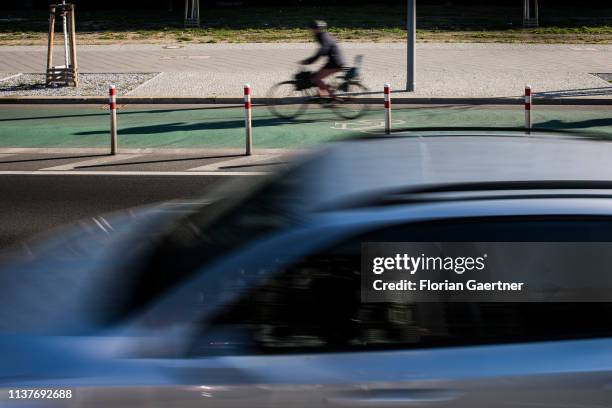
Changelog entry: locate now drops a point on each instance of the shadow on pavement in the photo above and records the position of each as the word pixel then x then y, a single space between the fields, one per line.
pixel 104 112
pixel 189 127
pixel 572 93
pixel 24 87
pixel 131 163
pixel 584 124
pixel 254 165
pixel 53 158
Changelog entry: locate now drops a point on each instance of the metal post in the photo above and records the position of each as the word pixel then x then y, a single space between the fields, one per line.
pixel 387 108
pixel 113 112
pixel 192 13
pixel 528 105
pixel 248 119
pixel 411 62
pixel 531 14
pixel 65 29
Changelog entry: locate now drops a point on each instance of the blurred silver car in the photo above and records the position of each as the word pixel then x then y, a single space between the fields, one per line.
pixel 251 298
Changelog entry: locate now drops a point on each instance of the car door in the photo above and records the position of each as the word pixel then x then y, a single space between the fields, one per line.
pixel 302 336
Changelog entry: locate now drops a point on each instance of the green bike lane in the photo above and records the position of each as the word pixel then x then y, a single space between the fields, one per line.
pixel 202 127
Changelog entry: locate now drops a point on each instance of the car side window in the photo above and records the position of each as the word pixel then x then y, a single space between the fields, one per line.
pixel 314 303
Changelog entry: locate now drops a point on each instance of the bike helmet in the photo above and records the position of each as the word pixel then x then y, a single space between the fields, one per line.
pixel 318 25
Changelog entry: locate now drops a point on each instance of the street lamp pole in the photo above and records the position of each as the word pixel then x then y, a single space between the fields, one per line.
pixel 531 20
pixel 411 27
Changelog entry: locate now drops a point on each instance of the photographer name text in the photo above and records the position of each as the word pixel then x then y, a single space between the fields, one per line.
pixel 414 264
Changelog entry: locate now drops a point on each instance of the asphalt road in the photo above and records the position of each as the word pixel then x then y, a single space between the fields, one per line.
pixel 30 205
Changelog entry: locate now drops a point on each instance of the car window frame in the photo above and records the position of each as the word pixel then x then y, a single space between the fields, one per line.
pixel 335 225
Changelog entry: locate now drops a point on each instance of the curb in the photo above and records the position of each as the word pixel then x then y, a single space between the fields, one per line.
pixel 141 100
pixel 124 100
pixel 150 150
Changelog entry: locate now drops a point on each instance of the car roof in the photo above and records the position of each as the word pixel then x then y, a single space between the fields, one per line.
pixel 414 161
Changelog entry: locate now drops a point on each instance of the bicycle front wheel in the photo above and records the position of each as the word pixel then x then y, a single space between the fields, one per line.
pixel 351 107
pixel 287 102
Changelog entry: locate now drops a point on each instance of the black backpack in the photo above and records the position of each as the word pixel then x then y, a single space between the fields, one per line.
pixel 302 80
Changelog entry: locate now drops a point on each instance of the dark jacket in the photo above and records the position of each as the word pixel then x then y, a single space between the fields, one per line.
pixel 328 48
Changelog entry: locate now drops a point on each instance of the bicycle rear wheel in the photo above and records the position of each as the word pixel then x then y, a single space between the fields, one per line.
pixel 287 102
pixel 350 107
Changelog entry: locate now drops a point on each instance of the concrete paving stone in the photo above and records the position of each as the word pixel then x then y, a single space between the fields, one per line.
pixel 443 70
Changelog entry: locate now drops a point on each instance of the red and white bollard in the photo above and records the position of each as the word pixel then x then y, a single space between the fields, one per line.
pixel 387 108
pixel 113 114
pixel 248 119
pixel 528 106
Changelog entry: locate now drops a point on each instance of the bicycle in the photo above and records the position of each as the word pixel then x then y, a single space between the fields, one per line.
pixel 289 99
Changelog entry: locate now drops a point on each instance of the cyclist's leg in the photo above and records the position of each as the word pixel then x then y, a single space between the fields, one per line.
pixel 318 77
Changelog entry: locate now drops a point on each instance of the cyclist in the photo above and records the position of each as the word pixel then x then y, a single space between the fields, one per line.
pixel 328 48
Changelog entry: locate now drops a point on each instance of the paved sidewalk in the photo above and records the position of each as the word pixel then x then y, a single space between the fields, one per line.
pixel 443 70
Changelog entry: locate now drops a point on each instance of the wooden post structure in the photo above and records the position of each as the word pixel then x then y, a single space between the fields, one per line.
pixel 192 13
pixel 531 14
pixel 67 74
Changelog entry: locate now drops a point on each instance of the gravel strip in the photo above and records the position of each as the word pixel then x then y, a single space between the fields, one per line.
pixel 89 85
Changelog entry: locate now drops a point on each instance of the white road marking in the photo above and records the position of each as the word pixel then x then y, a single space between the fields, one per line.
pixel 365 125
pixel 92 162
pixel 131 173
pixel 99 224
pixel 241 161
pixel 184 57
pixel 179 203
pixel 106 222
pixel 10 77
